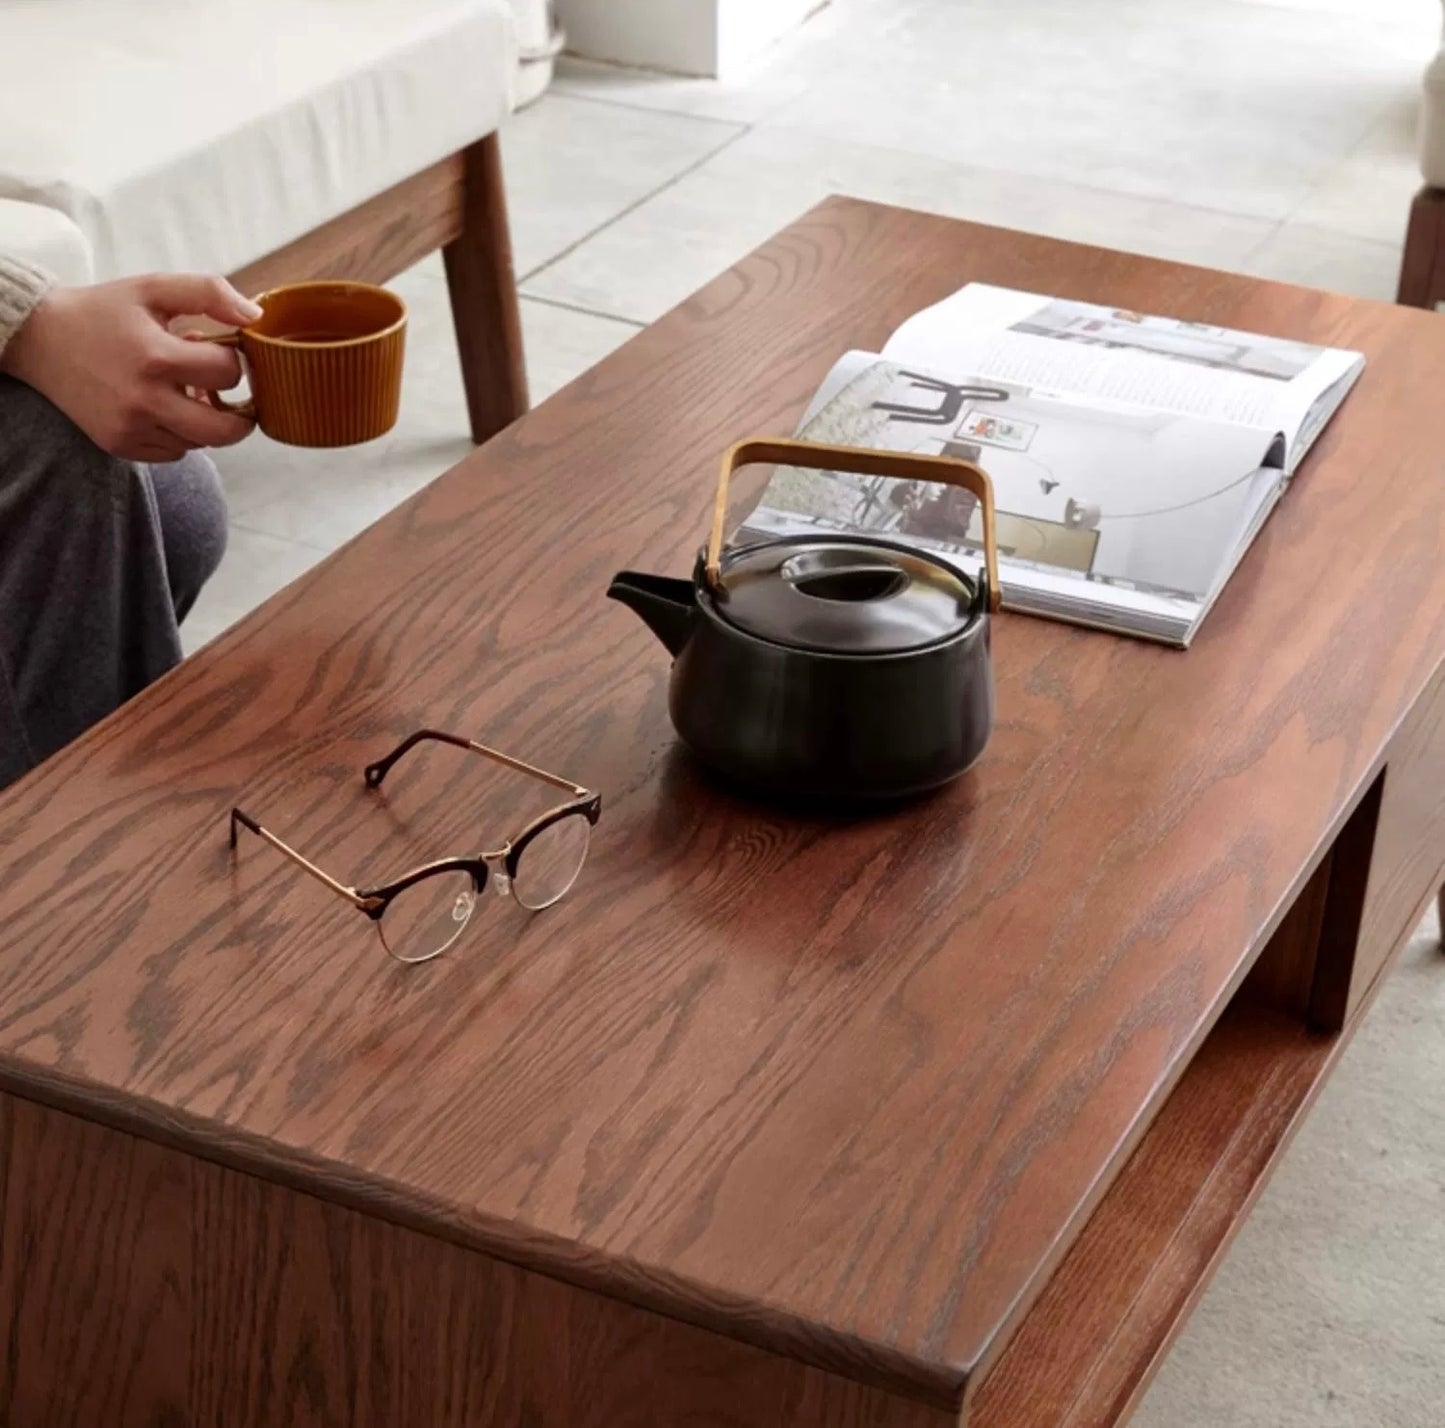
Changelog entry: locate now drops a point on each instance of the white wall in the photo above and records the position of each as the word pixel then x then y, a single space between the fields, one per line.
pixel 747 27
pixel 675 35
pixel 701 37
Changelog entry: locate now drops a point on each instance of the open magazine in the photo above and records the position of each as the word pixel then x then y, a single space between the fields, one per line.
pixel 1133 458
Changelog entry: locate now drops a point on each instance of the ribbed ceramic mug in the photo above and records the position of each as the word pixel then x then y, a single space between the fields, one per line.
pixel 324 363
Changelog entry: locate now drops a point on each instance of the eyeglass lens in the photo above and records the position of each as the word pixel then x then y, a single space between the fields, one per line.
pixel 550 861
pixel 422 921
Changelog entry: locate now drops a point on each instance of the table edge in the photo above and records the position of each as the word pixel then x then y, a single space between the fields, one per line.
pixel 758 1324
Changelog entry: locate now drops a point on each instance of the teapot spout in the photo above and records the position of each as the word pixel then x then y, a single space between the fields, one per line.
pixel 666 605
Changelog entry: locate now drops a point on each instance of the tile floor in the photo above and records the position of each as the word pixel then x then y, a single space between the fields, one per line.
pixel 1270 136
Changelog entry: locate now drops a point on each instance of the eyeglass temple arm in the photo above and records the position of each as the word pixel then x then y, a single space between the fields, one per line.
pixel 240 819
pixel 379 770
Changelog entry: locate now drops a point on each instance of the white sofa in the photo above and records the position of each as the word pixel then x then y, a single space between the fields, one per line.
pixel 271 140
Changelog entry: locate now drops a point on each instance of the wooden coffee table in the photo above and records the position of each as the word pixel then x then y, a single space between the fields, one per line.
pixel 776 1121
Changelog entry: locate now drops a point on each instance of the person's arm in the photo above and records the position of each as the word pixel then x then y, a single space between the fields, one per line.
pixel 105 356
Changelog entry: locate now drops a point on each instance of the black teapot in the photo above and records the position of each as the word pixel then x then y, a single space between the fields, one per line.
pixel 829 667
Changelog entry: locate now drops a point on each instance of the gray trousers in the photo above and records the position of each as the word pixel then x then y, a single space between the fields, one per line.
pixel 100 559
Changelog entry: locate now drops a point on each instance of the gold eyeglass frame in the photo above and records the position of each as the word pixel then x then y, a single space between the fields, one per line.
pixel 500 862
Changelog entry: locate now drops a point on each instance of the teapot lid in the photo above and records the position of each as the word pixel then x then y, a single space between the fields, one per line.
pixel 844 595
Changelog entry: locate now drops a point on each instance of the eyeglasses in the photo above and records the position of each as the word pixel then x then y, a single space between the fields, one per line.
pixel 421 914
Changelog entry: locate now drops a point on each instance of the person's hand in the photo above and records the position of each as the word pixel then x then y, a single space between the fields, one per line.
pixel 106 358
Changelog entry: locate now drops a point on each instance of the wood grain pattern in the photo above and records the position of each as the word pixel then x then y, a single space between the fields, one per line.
pixel 1422 265
pixel 844 1091
pixel 374 241
pixel 485 308
pixel 93 1272
pixel 1090 1347
pixel 195 1295
pixel 1093 1340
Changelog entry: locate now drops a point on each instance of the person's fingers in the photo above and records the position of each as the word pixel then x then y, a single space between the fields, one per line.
pixel 193 362
pixel 198 424
pixel 171 295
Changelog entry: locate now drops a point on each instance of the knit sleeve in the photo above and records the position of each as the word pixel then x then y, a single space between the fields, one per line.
pixel 22 285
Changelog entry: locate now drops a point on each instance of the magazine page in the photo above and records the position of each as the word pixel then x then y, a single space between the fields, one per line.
pixel 1132 513
pixel 1088 350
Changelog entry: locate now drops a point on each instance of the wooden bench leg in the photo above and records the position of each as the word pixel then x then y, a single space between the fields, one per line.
pixel 1422 270
pixel 483 291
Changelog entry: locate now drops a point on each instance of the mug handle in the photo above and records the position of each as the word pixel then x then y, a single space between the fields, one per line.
pixel 246 408
pixel 862 461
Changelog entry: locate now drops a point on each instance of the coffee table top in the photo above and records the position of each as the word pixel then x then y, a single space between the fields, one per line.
pixel 846 1090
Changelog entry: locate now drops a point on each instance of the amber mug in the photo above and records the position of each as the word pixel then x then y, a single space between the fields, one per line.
pixel 324 363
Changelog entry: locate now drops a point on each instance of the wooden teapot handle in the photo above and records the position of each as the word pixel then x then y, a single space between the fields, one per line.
pixel 861 461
